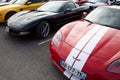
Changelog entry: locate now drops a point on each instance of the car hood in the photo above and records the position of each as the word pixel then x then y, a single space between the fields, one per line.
pixel 102 42
pixel 26 18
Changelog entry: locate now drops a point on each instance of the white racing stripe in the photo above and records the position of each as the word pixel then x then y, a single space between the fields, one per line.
pixel 75 78
pixel 81 43
pixel 87 44
pixel 67 74
pixel 87 37
pixel 89 48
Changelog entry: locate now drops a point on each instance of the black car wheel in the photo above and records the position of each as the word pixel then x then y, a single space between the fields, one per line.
pixel 43 29
pixel 8 15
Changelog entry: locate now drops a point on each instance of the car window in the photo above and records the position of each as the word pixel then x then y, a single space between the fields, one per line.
pixel 69 5
pixel 105 16
pixel 13 1
pixel 20 2
pixel 36 1
pixel 51 6
pixel 104 1
pixel 4 0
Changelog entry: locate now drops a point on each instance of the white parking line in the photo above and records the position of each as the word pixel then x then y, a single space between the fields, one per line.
pixel 43 42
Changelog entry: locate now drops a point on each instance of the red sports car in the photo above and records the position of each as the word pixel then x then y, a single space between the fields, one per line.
pixel 89 49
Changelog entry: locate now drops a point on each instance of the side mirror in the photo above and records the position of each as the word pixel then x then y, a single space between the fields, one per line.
pixel 84 14
pixel 28 3
pixel 67 11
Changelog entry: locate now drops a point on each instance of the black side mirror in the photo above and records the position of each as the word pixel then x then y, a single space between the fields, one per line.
pixel 67 11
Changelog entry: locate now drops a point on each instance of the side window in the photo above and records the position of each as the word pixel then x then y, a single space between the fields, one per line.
pixel 43 0
pixel 69 5
pixel 36 1
pixel 33 1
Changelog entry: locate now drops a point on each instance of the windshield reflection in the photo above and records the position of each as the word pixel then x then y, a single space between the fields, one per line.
pixel 105 16
pixel 51 6
pixel 20 2
pixel 104 1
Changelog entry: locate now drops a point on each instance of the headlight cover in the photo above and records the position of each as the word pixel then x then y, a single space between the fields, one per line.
pixel 114 67
pixel 57 39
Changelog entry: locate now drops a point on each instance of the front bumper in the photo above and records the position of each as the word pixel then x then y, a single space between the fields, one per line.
pixel 16 33
pixel 58 54
pixel 55 58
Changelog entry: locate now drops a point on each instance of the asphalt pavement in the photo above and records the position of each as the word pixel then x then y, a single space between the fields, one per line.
pixel 26 58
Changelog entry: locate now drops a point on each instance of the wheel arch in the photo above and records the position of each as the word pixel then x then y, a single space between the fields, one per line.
pixel 39 28
pixel 9 14
pixel 51 23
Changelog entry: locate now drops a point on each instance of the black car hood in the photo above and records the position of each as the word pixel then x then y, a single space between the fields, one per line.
pixel 24 20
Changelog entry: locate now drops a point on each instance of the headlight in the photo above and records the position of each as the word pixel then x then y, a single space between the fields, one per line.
pixel 114 67
pixel 57 39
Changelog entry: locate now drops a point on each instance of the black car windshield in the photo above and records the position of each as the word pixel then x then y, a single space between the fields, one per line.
pixel 105 16
pixel 20 2
pixel 52 6
pixel 103 1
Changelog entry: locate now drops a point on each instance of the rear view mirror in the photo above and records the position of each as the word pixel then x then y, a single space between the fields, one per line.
pixel 84 14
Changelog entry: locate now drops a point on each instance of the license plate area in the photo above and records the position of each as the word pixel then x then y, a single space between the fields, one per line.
pixel 72 70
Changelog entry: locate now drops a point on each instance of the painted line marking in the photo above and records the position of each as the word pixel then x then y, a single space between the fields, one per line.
pixel 43 42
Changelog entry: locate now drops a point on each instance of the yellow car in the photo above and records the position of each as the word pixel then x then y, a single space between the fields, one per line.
pixel 17 6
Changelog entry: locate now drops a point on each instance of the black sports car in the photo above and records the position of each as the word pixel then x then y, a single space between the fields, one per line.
pixel 48 17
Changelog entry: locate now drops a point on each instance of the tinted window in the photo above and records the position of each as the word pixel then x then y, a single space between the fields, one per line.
pixel 105 16
pixel 51 6
pixel 69 5
pixel 36 1
pixel 20 2
pixel 104 1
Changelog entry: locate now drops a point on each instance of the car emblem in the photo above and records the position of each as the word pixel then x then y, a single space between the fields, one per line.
pixel 76 58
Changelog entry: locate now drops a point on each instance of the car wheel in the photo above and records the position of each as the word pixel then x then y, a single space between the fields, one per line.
pixel 43 29
pixel 8 15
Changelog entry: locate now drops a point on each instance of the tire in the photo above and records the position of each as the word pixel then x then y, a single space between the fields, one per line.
pixel 43 29
pixel 8 15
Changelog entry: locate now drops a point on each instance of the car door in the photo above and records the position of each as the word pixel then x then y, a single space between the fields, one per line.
pixel 73 14
pixel 68 14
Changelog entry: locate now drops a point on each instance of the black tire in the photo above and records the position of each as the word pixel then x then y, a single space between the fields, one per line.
pixel 43 29
pixel 8 15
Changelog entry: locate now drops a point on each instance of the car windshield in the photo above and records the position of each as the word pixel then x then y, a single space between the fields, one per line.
pixel 3 0
pixel 105 16
pixel 52 6
pixel 104 1
pixel 12 1
pixel 20 2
